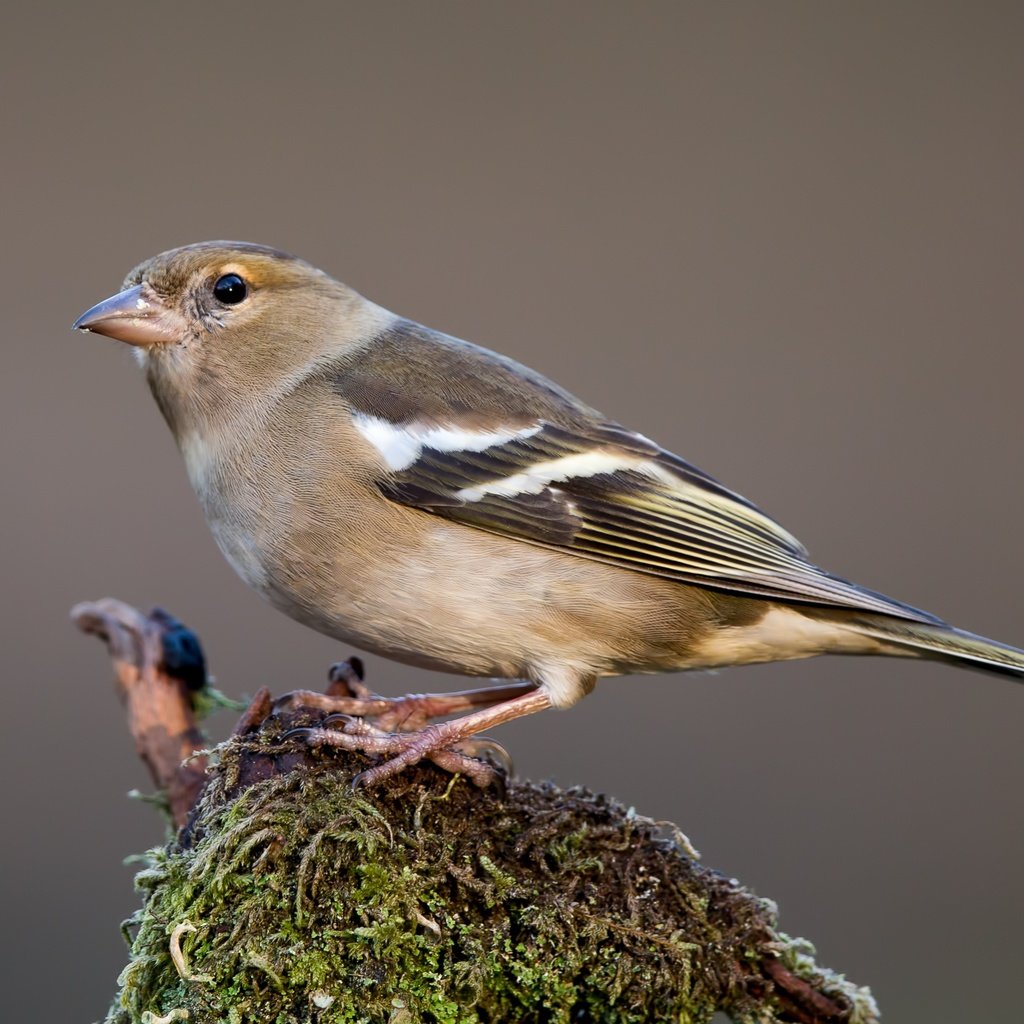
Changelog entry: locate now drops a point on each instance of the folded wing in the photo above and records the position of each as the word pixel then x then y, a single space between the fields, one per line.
pixel 607 494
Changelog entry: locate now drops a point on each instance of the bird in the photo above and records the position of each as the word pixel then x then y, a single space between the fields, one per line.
pixel 442 505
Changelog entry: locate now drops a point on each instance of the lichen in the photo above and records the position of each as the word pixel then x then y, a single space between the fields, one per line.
pixel 294 898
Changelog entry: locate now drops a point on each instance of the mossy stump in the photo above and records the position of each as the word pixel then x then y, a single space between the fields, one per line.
pixel 290 897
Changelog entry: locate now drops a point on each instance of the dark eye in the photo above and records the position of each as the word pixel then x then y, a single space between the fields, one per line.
pixel 230 289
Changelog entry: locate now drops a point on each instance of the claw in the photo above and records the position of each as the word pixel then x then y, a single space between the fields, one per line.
pixel 294 699
pixel 487 751
pixel 302 730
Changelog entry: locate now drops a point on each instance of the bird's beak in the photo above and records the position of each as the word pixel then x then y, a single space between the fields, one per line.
pixel 133 317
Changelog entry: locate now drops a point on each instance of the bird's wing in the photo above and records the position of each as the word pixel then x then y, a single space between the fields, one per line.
pixel 534 464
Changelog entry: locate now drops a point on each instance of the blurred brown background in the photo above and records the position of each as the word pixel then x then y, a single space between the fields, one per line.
pixel 783 239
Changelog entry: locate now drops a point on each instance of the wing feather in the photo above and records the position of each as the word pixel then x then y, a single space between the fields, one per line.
pixel 644 509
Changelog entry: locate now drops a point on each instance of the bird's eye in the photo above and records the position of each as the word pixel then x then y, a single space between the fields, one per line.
pixel 230 289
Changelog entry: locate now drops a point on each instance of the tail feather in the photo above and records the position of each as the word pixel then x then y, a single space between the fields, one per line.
pixel 946 643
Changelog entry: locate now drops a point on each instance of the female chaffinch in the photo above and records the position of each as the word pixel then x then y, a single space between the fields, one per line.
pixel 439 504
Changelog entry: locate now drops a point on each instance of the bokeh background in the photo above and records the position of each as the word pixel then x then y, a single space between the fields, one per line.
pixel 784 239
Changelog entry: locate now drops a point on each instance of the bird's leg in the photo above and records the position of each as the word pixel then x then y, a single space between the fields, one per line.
pixel 415 711
pixel 433 741
pixel 443 735
pixel 410 713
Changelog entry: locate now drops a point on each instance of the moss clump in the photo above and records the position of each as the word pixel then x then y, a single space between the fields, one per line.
pixel 292 898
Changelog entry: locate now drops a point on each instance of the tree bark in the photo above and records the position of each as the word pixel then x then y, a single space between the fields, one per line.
pixel 285 895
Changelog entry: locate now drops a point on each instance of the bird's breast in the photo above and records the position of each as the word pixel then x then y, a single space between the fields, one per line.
pixel 233 501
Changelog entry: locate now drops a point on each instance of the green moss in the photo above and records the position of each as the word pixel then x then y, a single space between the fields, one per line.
pixel 294 899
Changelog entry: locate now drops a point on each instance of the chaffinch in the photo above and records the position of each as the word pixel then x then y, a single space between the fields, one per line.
pixel 437 503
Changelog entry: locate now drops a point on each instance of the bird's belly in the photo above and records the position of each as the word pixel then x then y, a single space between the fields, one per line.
pixel 373 585
pixel 433 616
pixel 242 552
pixel 404 584
pixel 451 598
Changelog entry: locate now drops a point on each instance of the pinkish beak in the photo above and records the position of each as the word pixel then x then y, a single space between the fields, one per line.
pixel 133 317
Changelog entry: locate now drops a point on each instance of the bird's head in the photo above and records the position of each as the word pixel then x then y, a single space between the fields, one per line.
pixel 216 323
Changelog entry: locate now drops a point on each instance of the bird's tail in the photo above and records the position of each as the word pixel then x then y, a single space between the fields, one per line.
pixel 944 643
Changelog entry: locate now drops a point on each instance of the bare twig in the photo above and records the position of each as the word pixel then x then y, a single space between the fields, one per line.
pixel 155 691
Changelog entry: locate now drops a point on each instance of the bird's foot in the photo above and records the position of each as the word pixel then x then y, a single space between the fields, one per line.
pixel 480 759
pixel 409 714
pixel 450 745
